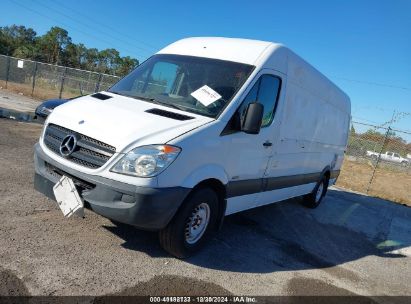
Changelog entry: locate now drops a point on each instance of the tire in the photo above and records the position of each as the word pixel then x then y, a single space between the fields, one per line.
pixel 314 199
pixel 404 164
pixel 180 238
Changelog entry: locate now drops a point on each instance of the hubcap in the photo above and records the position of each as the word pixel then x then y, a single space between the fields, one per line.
pixel 319 192
pixel 197 223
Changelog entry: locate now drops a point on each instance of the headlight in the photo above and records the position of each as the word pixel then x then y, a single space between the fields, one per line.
pixel 45 111
pixel 147 161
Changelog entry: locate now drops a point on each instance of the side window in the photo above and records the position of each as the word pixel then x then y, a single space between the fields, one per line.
pixel 389 153
pixel 396 155
pixel 264 91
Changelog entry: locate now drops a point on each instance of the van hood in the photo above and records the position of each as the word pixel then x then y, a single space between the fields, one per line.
pixel 123 121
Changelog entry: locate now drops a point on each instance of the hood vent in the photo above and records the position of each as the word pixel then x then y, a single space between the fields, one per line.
pixel 101 96
pixel 168 114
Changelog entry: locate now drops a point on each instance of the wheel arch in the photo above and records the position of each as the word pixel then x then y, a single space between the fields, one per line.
pixel 221 191
pixel 327 173
pixel 212 176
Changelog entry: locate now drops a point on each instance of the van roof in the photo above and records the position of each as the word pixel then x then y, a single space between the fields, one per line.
pixel 220 48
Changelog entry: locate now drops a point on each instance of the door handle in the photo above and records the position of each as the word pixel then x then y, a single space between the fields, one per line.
pixel 267 144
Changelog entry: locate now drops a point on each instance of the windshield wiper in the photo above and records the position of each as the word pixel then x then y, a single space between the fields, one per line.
pixel 153 100
pixel 117 93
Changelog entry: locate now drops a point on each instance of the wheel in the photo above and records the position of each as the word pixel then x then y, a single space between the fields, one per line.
pixel 192 224
pixel 313 199
pixel 404 164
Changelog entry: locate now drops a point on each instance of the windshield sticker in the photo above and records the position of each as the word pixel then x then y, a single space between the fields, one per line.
pixel 206 95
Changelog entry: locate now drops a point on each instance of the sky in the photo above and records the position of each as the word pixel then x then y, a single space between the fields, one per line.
pixel 362 46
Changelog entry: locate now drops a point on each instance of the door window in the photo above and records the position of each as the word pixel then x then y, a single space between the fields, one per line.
pixel 264 91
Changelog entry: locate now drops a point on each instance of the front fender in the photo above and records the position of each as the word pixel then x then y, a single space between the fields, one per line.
pixel 205 172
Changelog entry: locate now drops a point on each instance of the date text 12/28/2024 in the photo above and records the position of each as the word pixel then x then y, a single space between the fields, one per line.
pixel 203 299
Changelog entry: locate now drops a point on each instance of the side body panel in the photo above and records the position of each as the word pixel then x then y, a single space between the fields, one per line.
pixel 312 134
pixel 309 133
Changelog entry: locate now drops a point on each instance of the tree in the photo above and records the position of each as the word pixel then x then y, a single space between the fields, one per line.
pixel 126 65
pixel 14 36
pixel 56 47
pixel 53 43
pixel 352 130
pixel 372 134
pixel 91 59
pixel 25 52
pixel 75 56
pixel 108 60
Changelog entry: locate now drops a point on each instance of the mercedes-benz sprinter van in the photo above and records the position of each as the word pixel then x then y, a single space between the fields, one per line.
pixel 204 128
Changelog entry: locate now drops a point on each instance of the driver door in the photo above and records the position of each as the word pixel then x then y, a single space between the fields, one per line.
pixel 249 154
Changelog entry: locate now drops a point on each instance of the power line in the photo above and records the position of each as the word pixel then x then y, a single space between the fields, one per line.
pixel 69 26
pixel 367 120
pixel 147 51
pixel 106 26
pixel 382 127
pixel 373 83
pixel 97 28
pixel 396 117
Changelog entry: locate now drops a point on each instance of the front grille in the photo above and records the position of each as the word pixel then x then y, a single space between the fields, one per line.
pixel 89 152
pixel 79 183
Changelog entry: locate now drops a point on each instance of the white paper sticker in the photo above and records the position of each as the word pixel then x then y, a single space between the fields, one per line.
pixel 206 95
pixel 20 64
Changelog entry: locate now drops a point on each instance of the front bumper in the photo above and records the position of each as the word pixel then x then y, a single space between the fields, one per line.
pixel 144 207
pixel 40 118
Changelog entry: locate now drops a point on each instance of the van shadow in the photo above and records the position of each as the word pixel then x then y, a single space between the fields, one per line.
pixel 287 236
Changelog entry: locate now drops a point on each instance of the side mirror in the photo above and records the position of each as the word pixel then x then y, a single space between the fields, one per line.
pixel 253 118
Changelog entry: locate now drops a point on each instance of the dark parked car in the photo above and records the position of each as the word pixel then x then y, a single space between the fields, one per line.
pixel 44 109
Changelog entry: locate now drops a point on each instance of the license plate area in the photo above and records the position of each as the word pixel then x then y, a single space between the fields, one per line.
pixel 68 198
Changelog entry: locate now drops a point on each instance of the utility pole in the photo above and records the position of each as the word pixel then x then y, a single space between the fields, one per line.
pixel 381 150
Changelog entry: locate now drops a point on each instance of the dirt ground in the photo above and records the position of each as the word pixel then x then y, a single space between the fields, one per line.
pixel 39 93
pixel 388 183
pixel 43 91
pixel 351 244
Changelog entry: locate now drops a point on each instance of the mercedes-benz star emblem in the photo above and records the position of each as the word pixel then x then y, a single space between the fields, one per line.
pixel 68 145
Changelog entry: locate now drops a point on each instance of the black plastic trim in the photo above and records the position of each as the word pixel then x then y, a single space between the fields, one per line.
pixel 244 187
pixel 251 186
pixel 274 183
pixel 169 114
pixel 93 147
pixel 101 96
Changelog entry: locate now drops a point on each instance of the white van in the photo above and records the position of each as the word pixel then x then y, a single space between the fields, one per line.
pixel 204 128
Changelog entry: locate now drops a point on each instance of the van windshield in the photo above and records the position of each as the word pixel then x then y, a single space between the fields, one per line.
pixel 199 85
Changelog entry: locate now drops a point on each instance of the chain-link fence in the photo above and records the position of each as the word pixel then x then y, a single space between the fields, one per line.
pixel 378 162
pixel 43 81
